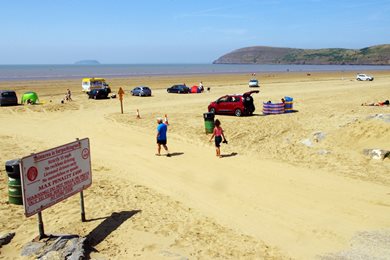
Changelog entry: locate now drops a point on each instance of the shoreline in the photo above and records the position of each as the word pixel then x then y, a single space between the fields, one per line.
pixel 62 72
pixel 198 75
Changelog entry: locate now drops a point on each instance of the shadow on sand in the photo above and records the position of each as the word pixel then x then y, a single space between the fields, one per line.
pixel 290 112
pixel 175 154
pixel 109 225
pixel 228 155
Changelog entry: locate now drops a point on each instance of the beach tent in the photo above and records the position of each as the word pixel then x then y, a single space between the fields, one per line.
pixel 195 89
pixel 32 96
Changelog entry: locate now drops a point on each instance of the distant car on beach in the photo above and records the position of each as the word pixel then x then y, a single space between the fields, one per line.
pixel 99 93
pixel 253 83
pixel 8 98
pixel 141 91
pixel 236 104
pixel 364 77
pixel 180 89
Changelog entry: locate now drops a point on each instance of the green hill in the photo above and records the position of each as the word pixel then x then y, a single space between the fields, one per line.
pixel 374 55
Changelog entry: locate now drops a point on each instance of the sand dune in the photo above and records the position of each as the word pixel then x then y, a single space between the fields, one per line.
pixel 270 197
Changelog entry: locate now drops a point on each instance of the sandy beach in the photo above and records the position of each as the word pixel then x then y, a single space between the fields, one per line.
pixel 279 192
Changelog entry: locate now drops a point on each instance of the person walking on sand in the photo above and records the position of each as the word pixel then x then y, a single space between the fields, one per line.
pixel 162 137
pixel 201 88
pixel 68 95
pixel 218 134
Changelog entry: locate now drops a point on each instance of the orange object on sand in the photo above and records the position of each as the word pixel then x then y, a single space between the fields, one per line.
pixel 138 116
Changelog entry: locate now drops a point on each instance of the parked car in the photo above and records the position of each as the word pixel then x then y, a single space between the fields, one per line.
pixel 141 91
pixel 8 98
pixel 99 93
pixel 253 83
pixel 237 104
pixel 361 77
pixel 179 89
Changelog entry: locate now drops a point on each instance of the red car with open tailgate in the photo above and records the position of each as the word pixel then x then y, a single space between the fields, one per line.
pixel 237 104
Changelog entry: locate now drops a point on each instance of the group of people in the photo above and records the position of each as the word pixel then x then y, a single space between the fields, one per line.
pixel 162 128
pixel 282 100
pixel 68 96
pixel 200 87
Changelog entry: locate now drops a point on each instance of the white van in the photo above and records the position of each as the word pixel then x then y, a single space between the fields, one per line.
pixel 88 84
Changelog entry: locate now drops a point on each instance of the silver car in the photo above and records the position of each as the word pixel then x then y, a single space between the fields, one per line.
pixel 8 98
pixel 141 91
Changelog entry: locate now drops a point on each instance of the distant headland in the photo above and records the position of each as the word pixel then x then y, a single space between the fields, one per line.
pixel 87 62
pixel 374 55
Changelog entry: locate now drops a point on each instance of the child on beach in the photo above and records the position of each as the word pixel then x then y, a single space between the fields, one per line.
pixel 68 95
pixel 218 134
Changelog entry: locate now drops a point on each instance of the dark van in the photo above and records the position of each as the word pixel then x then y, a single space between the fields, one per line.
pixel 8 98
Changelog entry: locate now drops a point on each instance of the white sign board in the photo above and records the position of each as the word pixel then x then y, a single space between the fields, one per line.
pixel 51 176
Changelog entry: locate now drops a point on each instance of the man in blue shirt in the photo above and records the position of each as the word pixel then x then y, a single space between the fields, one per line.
pixel 161 136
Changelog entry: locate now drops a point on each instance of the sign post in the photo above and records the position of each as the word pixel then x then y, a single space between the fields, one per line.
pixel 40 227
pixel 53 175
pixel 82 206
pixel 121 93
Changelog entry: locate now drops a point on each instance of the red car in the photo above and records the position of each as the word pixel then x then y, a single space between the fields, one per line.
pixel 237 105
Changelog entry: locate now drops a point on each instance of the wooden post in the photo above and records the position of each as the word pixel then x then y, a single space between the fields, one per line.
pixel 121 93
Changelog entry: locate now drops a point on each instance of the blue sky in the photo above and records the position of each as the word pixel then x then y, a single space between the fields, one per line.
pixel 181 31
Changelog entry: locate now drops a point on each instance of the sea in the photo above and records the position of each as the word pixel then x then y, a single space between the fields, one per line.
pixel 53 72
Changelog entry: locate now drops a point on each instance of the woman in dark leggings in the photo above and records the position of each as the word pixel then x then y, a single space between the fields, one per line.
pixel 218 134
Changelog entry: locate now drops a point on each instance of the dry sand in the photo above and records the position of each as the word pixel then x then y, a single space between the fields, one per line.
pixel 270 197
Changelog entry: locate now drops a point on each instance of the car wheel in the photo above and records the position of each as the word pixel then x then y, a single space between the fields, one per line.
pixel 359 79
pixel 212 110
pixel 237 112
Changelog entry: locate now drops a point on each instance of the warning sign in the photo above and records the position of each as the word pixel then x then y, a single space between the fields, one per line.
pixel 51 176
